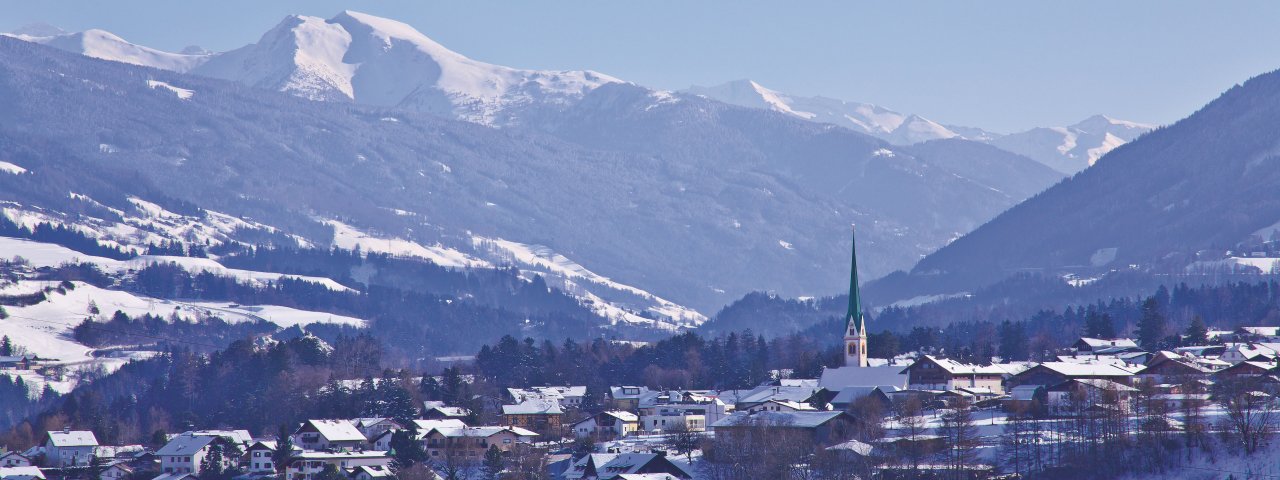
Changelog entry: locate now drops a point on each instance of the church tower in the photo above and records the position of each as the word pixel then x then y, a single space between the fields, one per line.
pixel 855 335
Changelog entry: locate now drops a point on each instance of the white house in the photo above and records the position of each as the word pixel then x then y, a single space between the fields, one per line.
pixel 117 471
pixel 932 373
pixel 14 459
pixel 69 448
pixel 328 435
pixel 373 427
pixel 306 465
pixel 781 406
pixel 608 424
pixel 260 456
pixel 21 473
pixel 1071 395
pixel 568 396
pixel 187 453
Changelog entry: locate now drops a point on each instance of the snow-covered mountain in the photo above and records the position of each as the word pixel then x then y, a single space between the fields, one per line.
pixel 880 122
pixel 108 46
pixel 1065 149
pixel 1073 148
pixel 378 61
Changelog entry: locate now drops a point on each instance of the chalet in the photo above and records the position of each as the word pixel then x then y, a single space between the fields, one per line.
pixel 307 465
pixel 1247 369
pixel 471 442
pixel 618 466
pixel 21 473
pixel 189 453
pixel 371 472
pixel 569 396
pixel 1078 394
pixel 328 435
pixel 932 373
pixel 781 406
pixel 822 428
pixel 1100 346
pixel 375 426
pixel 1168 366
pixel 260 456
pixel 21 362
pixel 437 410
pixel 1056 373
pixel 627 397
pixel 607 424
pixel 14 459
pixel 117 471
pixel 1242 352
pixel 539 415
pixel 1179 401
pixel 69 448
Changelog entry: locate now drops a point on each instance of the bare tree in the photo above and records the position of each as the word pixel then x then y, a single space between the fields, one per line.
pixel 960 437
pixel 1016 444
pixel 1251 413
pixel 913 426
pixel 683 441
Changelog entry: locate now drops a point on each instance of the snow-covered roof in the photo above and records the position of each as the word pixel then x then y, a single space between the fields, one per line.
pixel 854 446
pixel 547 392
pixel 1102 342
pixel 445 409
pixel 627 391
pixel 241 437
pixel 851 394
pixel 616 464
pixel 1263 331
pixel 482 431
pixel 534 407
pixel 841 378
pixel 778 419
pixel 1072 369
pixel 622 415
pixel 956 368
pixel 1096 383
pixel 174 476
pixel 426 425
pixel 185 444
pixel 73 438
pixel 317 455
pixel 767 392
pixel 373 471
pixel 336 430
pixel 8 473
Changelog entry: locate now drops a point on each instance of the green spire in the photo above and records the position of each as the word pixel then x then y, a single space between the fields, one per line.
pixel 854 317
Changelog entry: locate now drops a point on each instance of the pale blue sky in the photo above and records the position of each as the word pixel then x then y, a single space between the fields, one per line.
pixel 1001 65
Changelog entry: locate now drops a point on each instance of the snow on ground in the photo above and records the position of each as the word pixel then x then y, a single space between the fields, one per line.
pixel 182 93
pixel 1265 265
pixel 346 236
pixel 7 167
pixel 50 255
pixel 45 328
pixel 543 260
pixel 923 299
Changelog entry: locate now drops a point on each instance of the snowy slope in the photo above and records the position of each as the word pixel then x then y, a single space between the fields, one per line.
pixel 1073 148
pixel 378 61
pixel 898 128
pixel 107 46
pixel 1065 149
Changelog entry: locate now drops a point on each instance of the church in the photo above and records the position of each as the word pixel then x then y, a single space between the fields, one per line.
pixel 857 372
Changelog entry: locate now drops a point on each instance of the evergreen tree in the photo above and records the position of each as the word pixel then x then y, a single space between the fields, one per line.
pixel 1152 324
pixel 1098 325
pixel 1197 332
pixel 493 464
pixel 6 346
pixel 1014 344
pixel 284 449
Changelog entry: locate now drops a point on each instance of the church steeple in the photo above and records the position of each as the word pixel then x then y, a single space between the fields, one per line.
pixel 855 336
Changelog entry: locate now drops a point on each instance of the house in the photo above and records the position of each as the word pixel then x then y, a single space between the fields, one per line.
pixel 69 448
pixel 1055 373
pixel 21 473
pixel 371 472
pixel 607 424
pixel 372 427
pixel 437 410
pixel 535 414
pixel 836 379
pixel 674 419
pixel 1241 352
pixel 22 362
pixel 1175 402
pixel 471 442
pixel 569 396
pixel 1023 398
pixel 932 373
pixel 190 453
pixel 307 465
pixel 781 406
pixel 117 471
pixel 1168 366
pixel 241 438
pixel 328 435
pixel 765 393
pixel 822 427
pixel 175 476
pixel 1077 394
pixel 626 397
pixel 666 404
pixel 614 466
pixel 1247 369
pixel 14 459
pixel 1102 346
pixel 846 398
pixel 260 457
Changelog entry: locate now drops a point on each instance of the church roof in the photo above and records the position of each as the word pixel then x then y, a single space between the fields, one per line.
pixel 854 317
